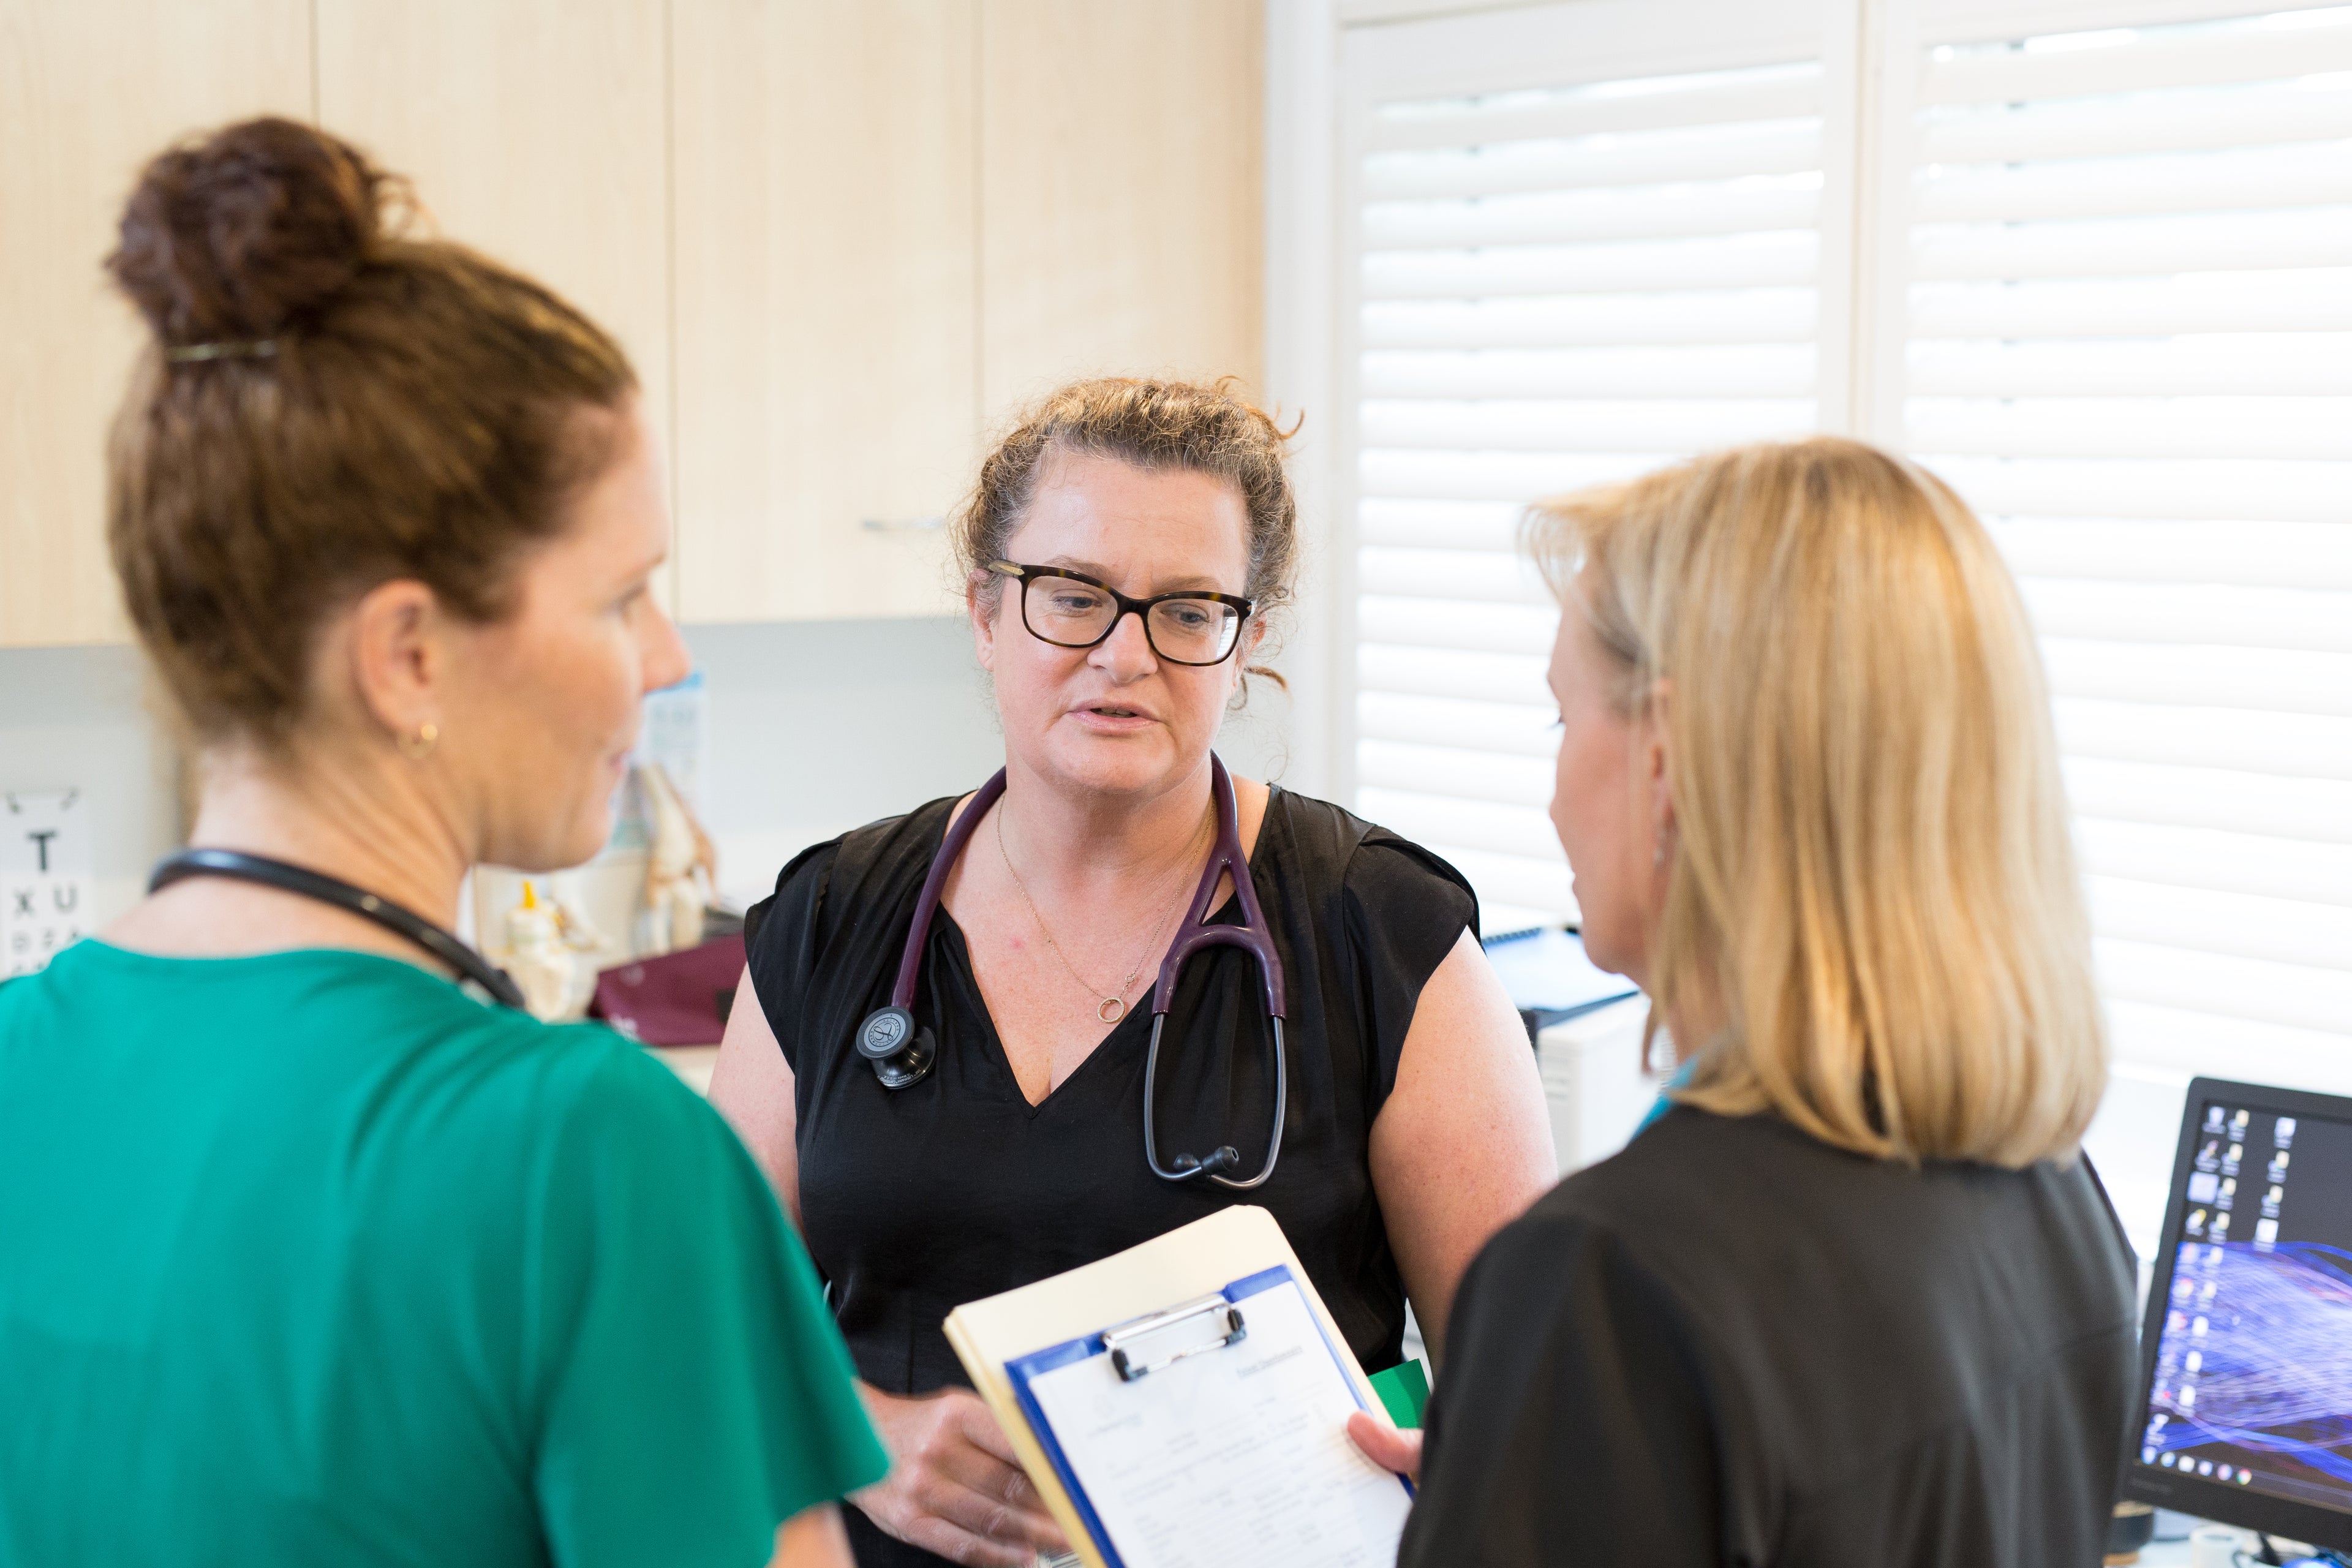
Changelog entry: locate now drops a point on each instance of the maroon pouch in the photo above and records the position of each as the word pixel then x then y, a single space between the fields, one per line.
pixel 679 999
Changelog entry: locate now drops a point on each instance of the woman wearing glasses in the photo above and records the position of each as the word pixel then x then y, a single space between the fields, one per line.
pixel 1124 548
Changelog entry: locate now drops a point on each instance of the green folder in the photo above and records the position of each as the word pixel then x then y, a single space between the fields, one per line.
pixel 1405 1392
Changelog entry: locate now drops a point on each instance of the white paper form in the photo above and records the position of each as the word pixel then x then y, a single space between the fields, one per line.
pixel 1238 1455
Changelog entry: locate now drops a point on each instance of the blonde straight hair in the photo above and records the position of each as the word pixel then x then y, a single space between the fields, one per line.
pixel 1873 884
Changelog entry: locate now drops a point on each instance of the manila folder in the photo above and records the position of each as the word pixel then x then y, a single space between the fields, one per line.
pixel 1190 1260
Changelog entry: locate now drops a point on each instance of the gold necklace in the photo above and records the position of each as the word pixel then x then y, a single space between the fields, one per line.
pixel 1110 1009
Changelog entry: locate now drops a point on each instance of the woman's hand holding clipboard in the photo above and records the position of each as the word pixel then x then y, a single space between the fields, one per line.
pixel 1184 1405
pixel 1390 1448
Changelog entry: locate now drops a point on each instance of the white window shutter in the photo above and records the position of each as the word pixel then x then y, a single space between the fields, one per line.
pixel 2120 323
pixel 1583 240
pixel 2100 278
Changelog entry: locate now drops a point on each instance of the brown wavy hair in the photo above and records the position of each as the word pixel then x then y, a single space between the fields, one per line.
pixel 327 404
pixel 1154 425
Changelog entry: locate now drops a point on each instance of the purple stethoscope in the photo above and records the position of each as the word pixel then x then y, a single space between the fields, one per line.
pixel 902 1051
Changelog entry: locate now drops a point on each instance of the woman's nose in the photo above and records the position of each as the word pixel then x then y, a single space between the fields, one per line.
pixel 668 662
pixel 1127 652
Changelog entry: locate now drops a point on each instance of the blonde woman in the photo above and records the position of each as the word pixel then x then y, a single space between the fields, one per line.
pixel 1853 1298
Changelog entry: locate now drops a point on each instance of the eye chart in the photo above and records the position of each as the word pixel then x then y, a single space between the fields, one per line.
pixel 45 876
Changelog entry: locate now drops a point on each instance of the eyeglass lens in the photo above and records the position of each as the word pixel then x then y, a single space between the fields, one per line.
pixel 1078 614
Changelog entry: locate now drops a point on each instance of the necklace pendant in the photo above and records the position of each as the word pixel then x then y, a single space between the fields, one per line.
pixel 1111 1009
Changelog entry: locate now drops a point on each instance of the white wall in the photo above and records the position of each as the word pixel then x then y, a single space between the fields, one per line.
pixel 76 718
pixel 814 729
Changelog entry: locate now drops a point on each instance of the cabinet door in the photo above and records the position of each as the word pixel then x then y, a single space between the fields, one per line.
pixel 89 90
pixel 535 132
pixel 826 331
pixel 1121 188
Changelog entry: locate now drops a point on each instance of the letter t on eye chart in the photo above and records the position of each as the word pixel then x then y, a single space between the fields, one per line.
pixel 45 876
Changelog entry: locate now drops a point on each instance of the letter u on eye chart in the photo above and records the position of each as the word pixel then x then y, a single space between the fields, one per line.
pixel 1239 1454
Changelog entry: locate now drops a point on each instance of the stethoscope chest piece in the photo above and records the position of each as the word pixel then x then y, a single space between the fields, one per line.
pixel 900 1049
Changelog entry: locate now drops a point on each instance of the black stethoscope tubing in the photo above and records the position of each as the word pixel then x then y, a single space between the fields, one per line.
pixel 902 1051
pixel 239 866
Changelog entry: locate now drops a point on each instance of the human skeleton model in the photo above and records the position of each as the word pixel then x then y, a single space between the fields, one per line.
pixel 681 866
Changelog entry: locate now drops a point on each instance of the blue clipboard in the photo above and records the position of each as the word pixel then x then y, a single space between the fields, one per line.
pixel 1039 1362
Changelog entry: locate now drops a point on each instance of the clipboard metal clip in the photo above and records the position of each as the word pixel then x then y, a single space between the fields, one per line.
pixel 1209 1323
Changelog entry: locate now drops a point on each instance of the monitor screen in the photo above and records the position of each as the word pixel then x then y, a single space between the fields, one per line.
pixel 2252 1380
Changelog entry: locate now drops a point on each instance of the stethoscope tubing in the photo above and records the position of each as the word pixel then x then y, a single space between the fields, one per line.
pixel 236 865
pixel 1226 1155
pixel 902 1053
pixel 926 903
pixel 1225 859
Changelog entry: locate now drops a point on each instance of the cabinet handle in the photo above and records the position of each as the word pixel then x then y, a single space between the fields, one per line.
pixel 908 525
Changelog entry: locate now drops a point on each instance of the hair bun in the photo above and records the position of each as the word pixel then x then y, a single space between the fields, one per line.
pixel 242 233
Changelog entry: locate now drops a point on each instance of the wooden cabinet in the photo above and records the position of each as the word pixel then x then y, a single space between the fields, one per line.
pixel 842 240
pixel 89 89
pixel 900 222
pixel 1121 193
pixel 536 131
pixel 828 326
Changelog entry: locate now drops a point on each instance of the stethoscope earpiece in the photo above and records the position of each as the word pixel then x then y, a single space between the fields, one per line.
pixel 900 1050
pixel 1226 1158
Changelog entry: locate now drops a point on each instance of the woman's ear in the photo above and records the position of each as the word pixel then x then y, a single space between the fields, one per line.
pixel 397 657
pixel 1252 638
pixel 1657 766
pixel 983 623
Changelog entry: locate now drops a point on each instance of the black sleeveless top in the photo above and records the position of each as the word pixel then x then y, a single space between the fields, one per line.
pixel 918 1200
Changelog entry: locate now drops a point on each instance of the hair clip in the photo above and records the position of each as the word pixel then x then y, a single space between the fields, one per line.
pixel 189 354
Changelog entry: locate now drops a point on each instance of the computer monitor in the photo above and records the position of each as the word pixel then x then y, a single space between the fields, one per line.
pixel 2244 1413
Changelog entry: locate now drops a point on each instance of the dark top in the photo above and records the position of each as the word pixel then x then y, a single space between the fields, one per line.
pixel 914 1201
pixel 1734 1344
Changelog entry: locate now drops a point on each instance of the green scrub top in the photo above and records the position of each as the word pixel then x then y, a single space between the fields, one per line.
pixel 310 1257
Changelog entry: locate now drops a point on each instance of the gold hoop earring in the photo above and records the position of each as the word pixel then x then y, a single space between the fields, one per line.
pixel 419 746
